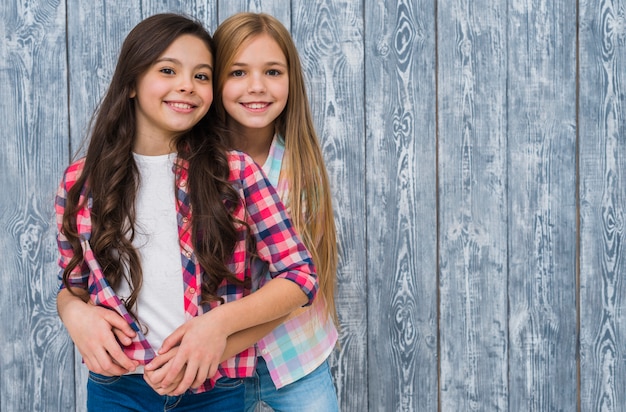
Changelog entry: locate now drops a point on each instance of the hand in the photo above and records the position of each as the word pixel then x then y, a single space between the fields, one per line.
pixel 94 331
pixel 161 365
pixel 200 343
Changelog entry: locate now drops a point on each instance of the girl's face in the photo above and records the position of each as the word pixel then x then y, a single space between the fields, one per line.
pixel 174 93
pixel 256 89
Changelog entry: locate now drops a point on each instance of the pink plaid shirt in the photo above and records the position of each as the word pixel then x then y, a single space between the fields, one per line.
pixel 303 342
pixel 277 244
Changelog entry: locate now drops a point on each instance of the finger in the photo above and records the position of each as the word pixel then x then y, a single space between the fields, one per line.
pixel 201 376
pixel 170 389
pixel 173 340
pixel 156 377
pixel 122 336
pixel 159 361
pixel 162 359
pixel 212 370
pixel 115 320
pixel 175 367
pixel 154 380
pixel 117 355
pixel 188 378
pixel 102 364
pixel 147 376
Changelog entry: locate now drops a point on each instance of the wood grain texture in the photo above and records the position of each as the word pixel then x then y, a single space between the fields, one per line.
pixel 401 205
pixel 95 32
pixel 455 147
pixel 277 8
pixel 542 205
pixel 329 37
pixel 472 204
pixel 602 122
pixel 202 10
pixel 35 362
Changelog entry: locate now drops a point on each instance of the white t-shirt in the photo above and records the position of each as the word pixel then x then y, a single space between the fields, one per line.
pixel 160 305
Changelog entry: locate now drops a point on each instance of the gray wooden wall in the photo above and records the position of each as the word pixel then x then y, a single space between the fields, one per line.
pixel 477 153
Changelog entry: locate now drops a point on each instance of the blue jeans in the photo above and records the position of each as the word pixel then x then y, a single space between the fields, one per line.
pixel 314 392
pixel 132 393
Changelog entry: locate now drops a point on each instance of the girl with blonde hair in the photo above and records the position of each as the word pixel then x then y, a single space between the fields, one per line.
pixel 262 105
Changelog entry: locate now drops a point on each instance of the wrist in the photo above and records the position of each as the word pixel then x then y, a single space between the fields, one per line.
pixel 67 303
pixel 220 321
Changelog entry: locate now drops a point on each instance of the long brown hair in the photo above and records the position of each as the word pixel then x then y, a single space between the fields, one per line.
pixel 110 175
pixel 309 188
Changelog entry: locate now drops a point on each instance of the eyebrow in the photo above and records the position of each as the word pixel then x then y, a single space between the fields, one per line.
pixel 176 61
pixel 265 64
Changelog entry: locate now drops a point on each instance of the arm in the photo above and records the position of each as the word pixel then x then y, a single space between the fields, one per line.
pixel 235 343
pixel 242 340
pixel 92 329
pixel 201 341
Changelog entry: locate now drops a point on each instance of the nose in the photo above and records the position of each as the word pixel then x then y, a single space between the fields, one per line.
pixel 185 85
pixel 256 84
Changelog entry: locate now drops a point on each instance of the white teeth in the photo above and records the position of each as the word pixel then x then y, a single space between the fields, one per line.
pixel 256 105
pixel 181 105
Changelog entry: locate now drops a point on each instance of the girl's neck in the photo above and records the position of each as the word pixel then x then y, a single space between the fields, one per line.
pixel 255 144
pixel 152 147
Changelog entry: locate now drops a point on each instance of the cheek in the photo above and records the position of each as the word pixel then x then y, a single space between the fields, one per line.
pixel 207 95
pixel 285 90
pixel 228 92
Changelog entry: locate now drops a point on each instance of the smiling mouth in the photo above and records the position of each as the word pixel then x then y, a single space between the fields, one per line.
pixel 255 106
pixel 183 106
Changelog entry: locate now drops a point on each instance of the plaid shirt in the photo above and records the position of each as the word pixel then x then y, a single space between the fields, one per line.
pixel 303 342
pixel 277 245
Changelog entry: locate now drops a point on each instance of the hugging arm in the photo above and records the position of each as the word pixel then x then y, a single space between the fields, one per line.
pixel 201 343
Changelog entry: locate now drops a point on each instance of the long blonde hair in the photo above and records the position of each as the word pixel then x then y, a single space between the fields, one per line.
pixel 309 189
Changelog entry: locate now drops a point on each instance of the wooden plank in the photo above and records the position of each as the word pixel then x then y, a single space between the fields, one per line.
pixel 472 205
pixel 602 159
pixel 401 205
pixel 95 32
pixel 542 197
pixel 280 9
pixel 35 362
pixel 203 10
pixel 329 37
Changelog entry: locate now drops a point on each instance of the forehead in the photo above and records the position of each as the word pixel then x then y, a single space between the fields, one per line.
pixel 259 48
pixel 188 46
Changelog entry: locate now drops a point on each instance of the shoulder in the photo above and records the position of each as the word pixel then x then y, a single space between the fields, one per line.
pixel 241 165
pixel 73 172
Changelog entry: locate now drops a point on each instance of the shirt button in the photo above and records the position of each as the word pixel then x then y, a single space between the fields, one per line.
pixel 265 352
pixel 183 184
pixel 192 291
pixel 185 220
pixel 188 254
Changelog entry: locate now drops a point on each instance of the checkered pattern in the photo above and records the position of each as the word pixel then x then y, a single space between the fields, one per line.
pixel 277 245
pixel 302 343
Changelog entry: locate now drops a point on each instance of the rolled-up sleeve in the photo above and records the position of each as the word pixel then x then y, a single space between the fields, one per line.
pixel 277 242
pixel 80 274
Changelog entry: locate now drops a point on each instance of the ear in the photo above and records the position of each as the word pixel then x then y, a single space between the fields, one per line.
pixel 132 94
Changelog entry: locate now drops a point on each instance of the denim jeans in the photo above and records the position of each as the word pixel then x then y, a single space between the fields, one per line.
pixel 314 392
pixel 132 393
